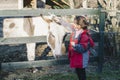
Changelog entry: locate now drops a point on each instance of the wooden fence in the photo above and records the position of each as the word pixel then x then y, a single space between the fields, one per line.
pixel 42 39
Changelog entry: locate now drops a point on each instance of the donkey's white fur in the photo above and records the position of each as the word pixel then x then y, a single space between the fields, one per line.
pixel 19 27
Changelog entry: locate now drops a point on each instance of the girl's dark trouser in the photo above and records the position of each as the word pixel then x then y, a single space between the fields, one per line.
pixel 81 73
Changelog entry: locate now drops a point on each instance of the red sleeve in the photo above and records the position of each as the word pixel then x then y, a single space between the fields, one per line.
pixel 85 39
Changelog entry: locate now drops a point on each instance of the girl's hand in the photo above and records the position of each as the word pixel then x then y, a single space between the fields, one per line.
pixel 73 43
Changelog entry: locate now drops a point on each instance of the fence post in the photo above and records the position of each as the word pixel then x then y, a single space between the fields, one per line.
pixel 101 42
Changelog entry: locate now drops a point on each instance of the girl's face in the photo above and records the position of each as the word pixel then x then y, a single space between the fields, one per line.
pixel 76 25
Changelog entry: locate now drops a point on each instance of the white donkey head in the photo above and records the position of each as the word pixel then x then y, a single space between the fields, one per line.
pixel 55 35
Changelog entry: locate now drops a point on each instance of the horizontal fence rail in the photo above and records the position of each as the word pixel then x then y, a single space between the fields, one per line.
pixel 39 63
pixel 117 11
pixel 23 40
pixel 28 64
pixel 37 12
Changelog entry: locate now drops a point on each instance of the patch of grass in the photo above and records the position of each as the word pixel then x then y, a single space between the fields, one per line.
pixel 106 75
pixel 68 76
pixel 90 76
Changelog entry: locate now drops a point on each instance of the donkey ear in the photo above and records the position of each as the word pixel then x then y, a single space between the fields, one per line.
pixel 47 19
